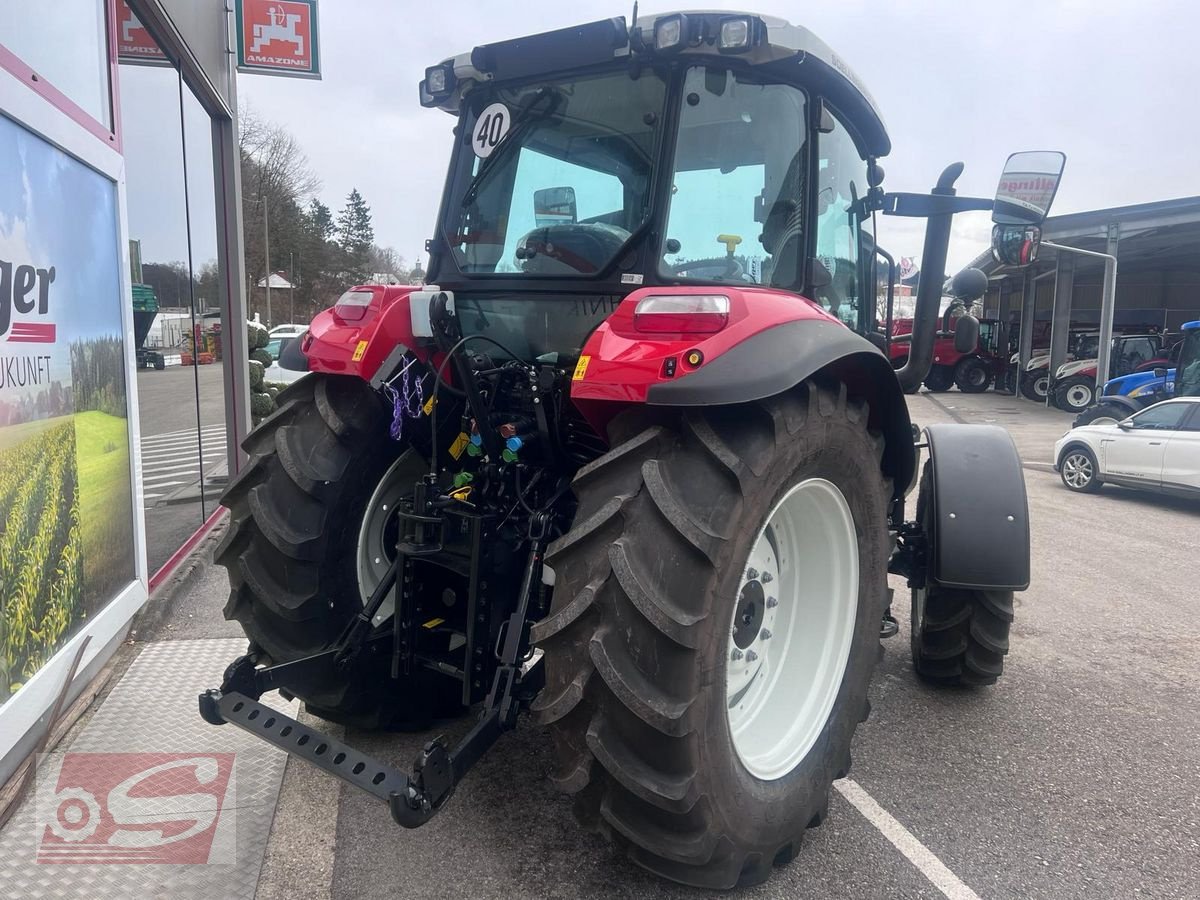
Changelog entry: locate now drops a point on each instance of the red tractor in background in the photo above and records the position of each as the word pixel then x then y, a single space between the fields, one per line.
pixel 635 460
pixel 972 372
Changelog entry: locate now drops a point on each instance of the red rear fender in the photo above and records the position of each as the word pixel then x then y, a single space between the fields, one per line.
pixel 344 347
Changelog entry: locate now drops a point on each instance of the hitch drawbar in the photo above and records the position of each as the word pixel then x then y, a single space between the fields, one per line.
pixel 412 801
pixel 413 798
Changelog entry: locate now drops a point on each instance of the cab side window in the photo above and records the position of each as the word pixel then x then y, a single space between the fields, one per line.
pixel 836 279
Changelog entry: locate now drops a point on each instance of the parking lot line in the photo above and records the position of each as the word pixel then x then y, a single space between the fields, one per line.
pixel 903 840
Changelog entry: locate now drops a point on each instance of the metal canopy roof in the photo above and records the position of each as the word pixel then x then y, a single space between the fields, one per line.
pixel 1163 234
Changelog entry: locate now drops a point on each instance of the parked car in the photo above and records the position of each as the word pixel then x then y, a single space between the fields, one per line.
pixel 1157 449
pixel 290 362
pixel 290 330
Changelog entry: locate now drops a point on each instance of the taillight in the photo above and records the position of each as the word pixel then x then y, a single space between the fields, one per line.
pixel 352 305
pixel 681 313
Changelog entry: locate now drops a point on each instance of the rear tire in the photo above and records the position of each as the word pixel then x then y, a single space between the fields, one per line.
pixel 637 641
pixel 296 512
pixel 973 375
pixel 959 636
pixel 1101 414
pixel 1075 394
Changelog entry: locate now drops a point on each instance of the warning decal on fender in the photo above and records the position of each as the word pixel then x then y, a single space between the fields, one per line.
pixel 581 368
pixel 359 351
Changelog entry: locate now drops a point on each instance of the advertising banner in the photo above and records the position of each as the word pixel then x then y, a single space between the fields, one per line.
pixel 66 505
pixel 278 37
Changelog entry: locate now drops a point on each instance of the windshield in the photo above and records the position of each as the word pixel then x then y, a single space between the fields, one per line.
pixel 736 191
pixel 559 174
pixel 1087 346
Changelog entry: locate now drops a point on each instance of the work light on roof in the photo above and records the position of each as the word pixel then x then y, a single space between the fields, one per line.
pixel 439 80
pixel 670 32
pixel 736 34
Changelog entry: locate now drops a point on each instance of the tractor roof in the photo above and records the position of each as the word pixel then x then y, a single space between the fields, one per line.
pixel 789 52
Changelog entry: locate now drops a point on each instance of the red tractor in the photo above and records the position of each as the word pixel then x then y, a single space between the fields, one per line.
pixel 634 462
pixel 971 372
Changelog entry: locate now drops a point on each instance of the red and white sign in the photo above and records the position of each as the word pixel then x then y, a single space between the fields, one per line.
pixel 134 43
pixel 139 808
pixel 278 37
pixel 1031 190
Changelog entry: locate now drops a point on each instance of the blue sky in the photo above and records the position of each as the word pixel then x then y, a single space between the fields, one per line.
pixel 66 213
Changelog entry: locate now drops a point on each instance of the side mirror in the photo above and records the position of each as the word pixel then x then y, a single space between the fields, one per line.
pixel 1016 245
pixel 1125 425
pixel 966 334
pixel 1160 372
pixel 554 206
pixel 1027 187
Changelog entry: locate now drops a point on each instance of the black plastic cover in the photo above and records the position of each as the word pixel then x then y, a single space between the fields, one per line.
pixel 980 528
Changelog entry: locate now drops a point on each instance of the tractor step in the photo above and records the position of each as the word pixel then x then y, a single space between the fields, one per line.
pixel 410 806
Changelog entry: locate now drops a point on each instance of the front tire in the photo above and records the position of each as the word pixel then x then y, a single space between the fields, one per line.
pixel 1075 394
pixel 973 375
pixel 1035 385
pixel 638 642
pixel 1079 471
pixel 959 636
pixel 939 379
pixel 1101 414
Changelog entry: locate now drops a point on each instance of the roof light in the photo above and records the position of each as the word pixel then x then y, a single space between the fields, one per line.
pixel 439 83
pixel 352 305
pixel 735 36
pixel 681 314
pixel 670 32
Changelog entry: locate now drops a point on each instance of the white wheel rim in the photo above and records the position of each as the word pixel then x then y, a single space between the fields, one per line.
pixel 375 551
pixel 1077 470
pixel 1079 396
pixel 1042 386
pixel 1103 420
pixel 784 664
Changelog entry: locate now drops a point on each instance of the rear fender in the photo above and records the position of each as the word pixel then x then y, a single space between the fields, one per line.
pixel 980 515
pixel 774 342
pixel 342 347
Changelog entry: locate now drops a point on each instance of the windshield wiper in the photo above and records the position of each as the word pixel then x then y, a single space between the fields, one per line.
pixel 527 119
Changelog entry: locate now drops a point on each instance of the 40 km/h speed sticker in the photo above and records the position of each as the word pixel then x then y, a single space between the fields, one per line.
pixel 490 129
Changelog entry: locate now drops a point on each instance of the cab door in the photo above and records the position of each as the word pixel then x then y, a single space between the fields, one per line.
pixel 1181 460
pixel 1135 451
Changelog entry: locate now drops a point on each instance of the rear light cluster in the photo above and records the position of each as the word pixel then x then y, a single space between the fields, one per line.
pixel 352 305
pixel 681 314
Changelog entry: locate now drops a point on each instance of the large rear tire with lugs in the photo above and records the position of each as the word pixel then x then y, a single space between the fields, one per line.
pixel 300 513
pixel 714 627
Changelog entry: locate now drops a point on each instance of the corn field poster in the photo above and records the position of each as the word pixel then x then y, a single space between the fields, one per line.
pixel 66 504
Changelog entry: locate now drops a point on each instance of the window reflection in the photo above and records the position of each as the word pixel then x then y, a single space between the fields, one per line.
pixel 64 42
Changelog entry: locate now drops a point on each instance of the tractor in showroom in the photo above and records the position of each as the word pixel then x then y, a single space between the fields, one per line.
pixel 634 461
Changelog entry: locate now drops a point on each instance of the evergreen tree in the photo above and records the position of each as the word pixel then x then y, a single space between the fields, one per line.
pixel 320 218
pixel 355 234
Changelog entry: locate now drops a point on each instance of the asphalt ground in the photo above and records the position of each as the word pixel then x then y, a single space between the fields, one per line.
pixel 171 422
pixel 1077 776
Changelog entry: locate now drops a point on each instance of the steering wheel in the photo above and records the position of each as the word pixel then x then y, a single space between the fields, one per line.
pixel 733 270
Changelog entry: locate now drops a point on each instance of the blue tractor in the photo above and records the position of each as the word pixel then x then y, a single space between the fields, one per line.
pixel 1127 394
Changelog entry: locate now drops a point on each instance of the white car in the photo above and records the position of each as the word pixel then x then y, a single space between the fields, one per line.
pixel 290 362
pixel 1157 449
pixel 287 331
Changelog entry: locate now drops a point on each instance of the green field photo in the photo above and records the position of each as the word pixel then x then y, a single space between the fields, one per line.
pixel 40 547
pixel 102 451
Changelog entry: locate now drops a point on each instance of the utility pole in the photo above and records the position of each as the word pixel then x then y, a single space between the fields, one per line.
pixel 291 287
pixel 267 253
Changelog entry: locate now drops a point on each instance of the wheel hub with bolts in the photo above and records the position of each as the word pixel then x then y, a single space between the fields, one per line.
pixel 791 629
pixel 1079 396
pixel 1077 470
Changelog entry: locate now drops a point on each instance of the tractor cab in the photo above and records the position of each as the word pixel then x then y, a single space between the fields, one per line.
pixel 704 149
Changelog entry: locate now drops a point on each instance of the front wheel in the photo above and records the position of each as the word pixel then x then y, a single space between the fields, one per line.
pixel 940 378
pixel 973 375
pixel 714 627
pixel 1075 394
pixel 1035 385
pixel 1079 471
pixel 959 636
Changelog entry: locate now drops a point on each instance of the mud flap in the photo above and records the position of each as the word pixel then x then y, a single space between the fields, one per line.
pixel 980 533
